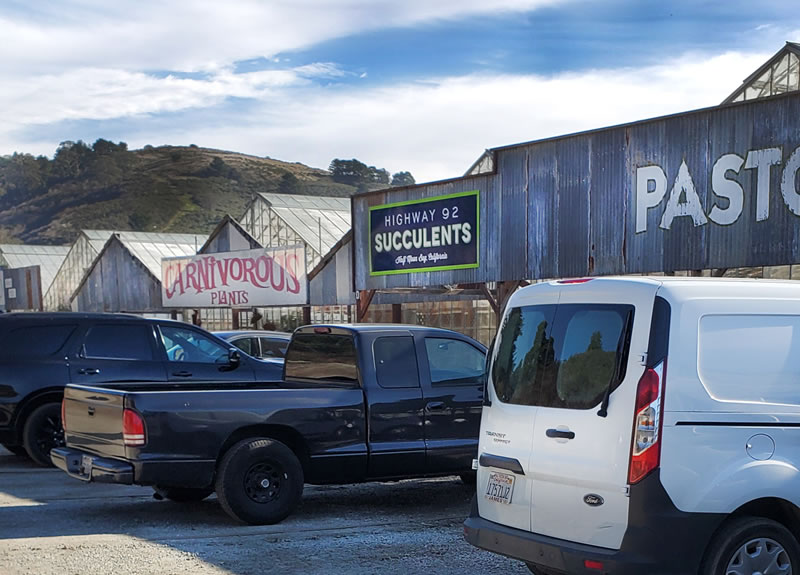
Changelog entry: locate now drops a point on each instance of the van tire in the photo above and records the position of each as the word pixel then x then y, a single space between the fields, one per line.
pixel 182 494
pixel 730 540
pixel 42 432
pixel 260 481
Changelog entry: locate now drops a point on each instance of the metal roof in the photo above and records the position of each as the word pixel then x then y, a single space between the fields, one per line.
pixel 763 81
pixel 48 258
pixel 320 221
pixel 150 247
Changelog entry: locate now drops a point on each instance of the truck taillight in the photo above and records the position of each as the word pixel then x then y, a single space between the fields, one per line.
pixel 132 428
pixel 646 445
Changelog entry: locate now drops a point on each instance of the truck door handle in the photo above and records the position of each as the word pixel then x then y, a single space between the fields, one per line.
pixel 88 371
pixel 435 406
pixel 182 373
pixel 560 434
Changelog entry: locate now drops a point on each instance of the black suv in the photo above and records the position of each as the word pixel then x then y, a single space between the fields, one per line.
pixel 41 352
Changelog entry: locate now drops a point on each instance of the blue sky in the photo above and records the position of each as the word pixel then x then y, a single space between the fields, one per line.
pixel 410 85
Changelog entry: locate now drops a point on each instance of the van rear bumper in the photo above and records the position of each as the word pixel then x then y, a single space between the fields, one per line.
pixel 659 540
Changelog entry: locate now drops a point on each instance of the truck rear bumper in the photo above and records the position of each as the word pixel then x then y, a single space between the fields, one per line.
pixel 88 467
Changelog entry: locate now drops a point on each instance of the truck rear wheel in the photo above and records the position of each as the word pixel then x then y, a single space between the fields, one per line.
pixel 259 481
pixel 43 432
pixel 753 545
pixel 182 494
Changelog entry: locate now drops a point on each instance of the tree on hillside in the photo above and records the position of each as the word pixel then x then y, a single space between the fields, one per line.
pixel 289 184
pixel 350 172
pixel 378 175
pixel 403 179
pixel 69 159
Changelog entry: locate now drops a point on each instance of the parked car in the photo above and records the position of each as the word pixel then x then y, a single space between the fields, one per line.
pixel 644 425
pixel 41 352
pixel 259 343
pixel 358 403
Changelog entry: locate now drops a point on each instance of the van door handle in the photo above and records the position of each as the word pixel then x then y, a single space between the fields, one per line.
pixel 435 406
pixel 88 371
pixel 560 434
pixel 182 373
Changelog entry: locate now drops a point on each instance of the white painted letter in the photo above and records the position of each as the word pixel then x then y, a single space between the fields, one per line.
pixel 725 188
pixel 789 183
pixel 645 199
pixel 762 160
pixel 691 207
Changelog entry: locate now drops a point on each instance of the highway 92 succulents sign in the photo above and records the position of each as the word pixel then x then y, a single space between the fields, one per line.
pixel 430 234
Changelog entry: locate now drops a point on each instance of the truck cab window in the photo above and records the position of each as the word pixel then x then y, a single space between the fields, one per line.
pixel 454 362
pixel 396 362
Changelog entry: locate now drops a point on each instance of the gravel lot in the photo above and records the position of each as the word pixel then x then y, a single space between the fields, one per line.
pixel 51 524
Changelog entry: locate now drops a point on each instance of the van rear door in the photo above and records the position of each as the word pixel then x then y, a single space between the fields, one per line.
pixel 506 437
pixel 579 459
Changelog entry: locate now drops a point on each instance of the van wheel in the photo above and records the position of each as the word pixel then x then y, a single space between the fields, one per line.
pixel 182 494
pixel 260 481
pixel 43 432
pixel 753 545
pixel 16 450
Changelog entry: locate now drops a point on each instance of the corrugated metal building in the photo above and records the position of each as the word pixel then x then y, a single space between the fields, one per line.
pixel 48 258
pixel 80 257
pixel 125 275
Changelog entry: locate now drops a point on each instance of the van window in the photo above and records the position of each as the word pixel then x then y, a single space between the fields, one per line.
pixel 322 357
pixel 119 341
pixel 586 342
pixel 560 356
pixel 522 348
pixel 752 358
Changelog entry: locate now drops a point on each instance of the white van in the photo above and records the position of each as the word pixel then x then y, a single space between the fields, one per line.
pixel 644 426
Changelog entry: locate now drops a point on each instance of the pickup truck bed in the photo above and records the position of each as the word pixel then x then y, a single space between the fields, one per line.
pixel 357 404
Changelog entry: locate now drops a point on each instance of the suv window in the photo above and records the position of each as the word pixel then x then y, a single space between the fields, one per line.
pixel 396 361
pixel 563 356
pixel 454 362
pixel 36 341
pixel 249 345
pixel 118 341
pixel 185 344
pixel 322 357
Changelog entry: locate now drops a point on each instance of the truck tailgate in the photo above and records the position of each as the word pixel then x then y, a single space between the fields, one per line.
pixel 93 419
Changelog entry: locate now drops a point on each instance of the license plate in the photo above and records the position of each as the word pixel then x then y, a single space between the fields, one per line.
pixel 500 488
pixel 86 466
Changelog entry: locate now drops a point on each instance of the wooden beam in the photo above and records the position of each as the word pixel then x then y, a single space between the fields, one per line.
pixel 397 313
pixel 487 293
pixel 362 303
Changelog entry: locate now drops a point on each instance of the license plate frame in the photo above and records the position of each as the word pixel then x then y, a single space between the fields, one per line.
pixel 500 487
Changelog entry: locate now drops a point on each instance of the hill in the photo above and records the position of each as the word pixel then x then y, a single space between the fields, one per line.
pixel 163 189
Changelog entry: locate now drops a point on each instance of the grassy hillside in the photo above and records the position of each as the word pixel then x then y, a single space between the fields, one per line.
pixel 165 189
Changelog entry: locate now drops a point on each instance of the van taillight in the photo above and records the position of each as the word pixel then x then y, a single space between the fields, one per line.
pixel 132 428
pixel 646 448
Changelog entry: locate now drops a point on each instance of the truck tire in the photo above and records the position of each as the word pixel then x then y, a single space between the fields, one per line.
pixel 259 481
pixel 182 494
pixel 16 450
pixel 752 544
pixel 42 432
pixel 469 477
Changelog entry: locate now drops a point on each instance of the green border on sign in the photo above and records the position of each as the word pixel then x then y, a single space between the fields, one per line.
pixel 477 263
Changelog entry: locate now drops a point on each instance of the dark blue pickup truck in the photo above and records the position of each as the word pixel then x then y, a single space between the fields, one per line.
pixel 356 403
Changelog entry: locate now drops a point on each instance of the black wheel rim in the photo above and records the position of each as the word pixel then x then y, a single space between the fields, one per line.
pixel 264 480
pixel 50 434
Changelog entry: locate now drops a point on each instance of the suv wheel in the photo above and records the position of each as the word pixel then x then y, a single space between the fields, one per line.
pixel 43 432
pixel 753 545
pixel 260 481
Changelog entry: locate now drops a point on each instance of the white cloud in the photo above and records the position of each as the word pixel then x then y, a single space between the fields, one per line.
pixel 437 128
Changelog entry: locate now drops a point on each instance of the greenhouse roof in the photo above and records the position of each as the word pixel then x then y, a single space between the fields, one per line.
pixel 320 221
pixel 48 258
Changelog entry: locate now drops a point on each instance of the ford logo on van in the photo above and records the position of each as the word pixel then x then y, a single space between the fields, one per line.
pixel 593 500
